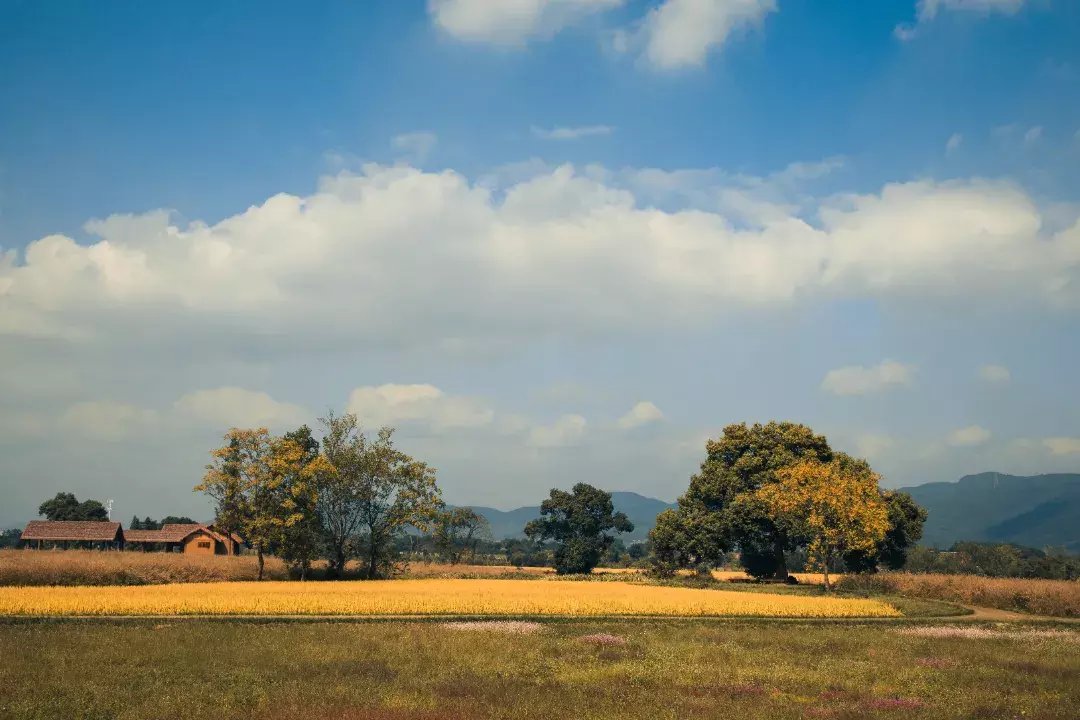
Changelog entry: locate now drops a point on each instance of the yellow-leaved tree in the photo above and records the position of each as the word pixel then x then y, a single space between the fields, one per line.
pixel 837 504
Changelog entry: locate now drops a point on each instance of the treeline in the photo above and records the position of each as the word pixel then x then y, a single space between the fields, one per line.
pixel 995 560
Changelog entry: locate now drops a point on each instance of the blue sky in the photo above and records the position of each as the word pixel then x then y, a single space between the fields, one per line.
pixel 550 240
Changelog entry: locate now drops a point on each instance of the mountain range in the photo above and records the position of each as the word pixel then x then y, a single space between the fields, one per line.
pixel 1037 511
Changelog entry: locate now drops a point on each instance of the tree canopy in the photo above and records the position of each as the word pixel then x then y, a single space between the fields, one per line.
pixel 65 506
pixel 579 521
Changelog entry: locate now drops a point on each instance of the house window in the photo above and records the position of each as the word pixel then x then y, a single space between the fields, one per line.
pixel 204 544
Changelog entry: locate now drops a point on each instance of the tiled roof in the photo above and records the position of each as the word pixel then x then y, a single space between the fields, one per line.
pixel 162 535
pixel 57 530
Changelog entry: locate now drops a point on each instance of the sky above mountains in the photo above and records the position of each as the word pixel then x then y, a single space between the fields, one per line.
pixel 548 240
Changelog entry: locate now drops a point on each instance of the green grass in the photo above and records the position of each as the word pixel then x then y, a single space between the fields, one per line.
pixel 413 671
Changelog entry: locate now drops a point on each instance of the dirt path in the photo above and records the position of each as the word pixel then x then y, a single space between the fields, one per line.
pixel 985 614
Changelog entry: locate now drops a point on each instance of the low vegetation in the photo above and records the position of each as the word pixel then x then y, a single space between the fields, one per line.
pixel 428 597
pixel 663 670
pixel 1058 598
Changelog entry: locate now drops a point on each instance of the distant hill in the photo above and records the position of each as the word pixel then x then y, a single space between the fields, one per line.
pixel 1036 511
pixel 641 510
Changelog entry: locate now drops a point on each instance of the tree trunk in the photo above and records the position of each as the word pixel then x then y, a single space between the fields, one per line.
pixel 825 574
pixel 781 563
pixel 338 570
pixel 260 552
pixel 373 556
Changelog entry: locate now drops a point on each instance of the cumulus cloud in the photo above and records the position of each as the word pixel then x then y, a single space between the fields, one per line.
pixel 564 251
pixel 997 374
pixel 416 145
pixel 419 404
pixel 968 436
pixel 567 430
pixel 227 407
pixel 642 413
pixel 682 33
pixel 1062 445
pixel 927 10
pixel 511 22
pixel 572 133
pixel 860 380
pixel 106 420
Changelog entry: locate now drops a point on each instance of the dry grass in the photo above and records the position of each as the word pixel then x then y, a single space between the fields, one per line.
pixel 95 567
pixel 1059 598
pixel 506 627
pixel 460 597
pixel 988 633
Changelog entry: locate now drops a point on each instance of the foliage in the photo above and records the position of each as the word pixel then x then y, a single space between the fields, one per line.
pixel 995 560
pixel 10 538
pixel 579 522
pixel 148 523
pixel 302 541
pixel 373 495
pixel 720 510
pixel 906 520
pixel 65 506
pixel 458 531
pixel 836 505
pixel 259 483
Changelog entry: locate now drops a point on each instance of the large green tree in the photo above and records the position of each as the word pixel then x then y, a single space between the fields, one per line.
pixel 302 540
pixel 721 509
pixel 579 522
pixel 65 506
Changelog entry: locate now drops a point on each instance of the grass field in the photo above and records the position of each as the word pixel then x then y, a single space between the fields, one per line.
pixel 428 597
pixel 629 669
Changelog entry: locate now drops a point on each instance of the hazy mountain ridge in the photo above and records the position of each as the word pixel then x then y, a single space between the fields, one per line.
pixel 1037 510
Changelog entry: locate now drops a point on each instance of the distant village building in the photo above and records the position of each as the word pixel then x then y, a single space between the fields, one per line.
pixel 106 535
pixel 191 538
pixel 194 538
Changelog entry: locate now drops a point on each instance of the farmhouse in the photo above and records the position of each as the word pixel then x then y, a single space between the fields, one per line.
pixel 106 535
pixel 192 538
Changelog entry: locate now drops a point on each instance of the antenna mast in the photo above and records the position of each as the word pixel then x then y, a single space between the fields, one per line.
pixel 108 509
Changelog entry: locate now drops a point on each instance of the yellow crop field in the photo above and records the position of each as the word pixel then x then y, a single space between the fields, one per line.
pixel 424 597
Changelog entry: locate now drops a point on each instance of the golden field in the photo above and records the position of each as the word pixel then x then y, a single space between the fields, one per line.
pixel 421 597
pixel 1059 598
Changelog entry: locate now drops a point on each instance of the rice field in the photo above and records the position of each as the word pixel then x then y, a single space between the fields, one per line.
pixel 427 597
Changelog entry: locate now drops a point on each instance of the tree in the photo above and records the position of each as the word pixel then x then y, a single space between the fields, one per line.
pixel 720 510
pixel 373 494
pixel 66 507
pixel 302 541
pixel 579 522
pixel 688 538
pixel 255 479
pixel 175 520
pixel 458 531
pixel 906 519
pixel 837 504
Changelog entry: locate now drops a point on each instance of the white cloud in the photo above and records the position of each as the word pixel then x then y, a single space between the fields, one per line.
pixel 227 407
pixel 969 436
pixel 416 145
pixel 682 33
pixel 997 374
pixel 953 144
pixel 859 380
pixel 642 413
pixel 1033 135
pixel 1062 445
pixel 425 405
pixel 565 251
pixel 106 420
pixel 572 133
pixel 511 22
pixel 927 10
pixel 567 430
